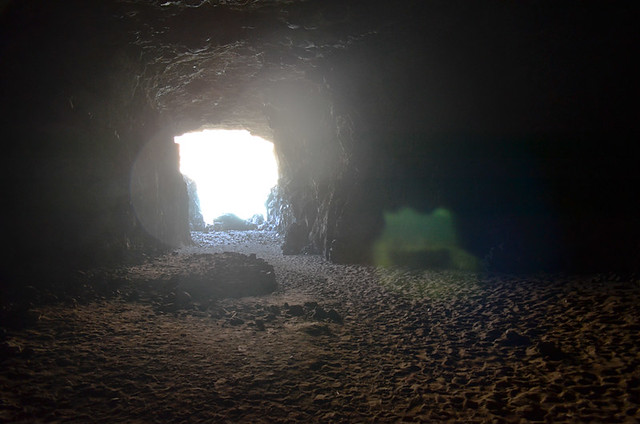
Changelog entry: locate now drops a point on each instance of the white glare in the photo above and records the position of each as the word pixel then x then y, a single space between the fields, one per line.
pixel 234 171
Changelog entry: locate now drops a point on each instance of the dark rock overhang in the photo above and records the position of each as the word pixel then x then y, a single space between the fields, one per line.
pixel 440 66
pixel 487 67
pixel 371 105
pixel 213 63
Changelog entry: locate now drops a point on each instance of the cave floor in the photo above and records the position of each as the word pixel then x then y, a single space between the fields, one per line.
pixel 426 346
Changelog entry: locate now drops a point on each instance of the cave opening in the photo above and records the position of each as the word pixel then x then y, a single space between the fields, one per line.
pixel 233 171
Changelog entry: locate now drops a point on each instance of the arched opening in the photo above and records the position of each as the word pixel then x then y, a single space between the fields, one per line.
pixel 233 170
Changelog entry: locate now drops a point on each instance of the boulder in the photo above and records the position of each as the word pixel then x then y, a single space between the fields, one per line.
pixel 198 280
pixel 295 239
pixel 229 222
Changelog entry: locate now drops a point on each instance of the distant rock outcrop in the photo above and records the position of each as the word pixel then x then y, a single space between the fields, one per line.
pixel 371 107
pixel 196 220
pixel 229 222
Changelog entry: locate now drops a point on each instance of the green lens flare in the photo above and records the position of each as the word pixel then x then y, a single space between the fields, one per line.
pixel 418 240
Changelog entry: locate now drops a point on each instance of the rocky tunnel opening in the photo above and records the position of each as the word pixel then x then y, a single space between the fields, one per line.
pixel 517 121
pixel 228 172
pixel 419 143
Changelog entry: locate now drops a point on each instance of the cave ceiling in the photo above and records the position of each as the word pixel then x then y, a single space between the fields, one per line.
pixel 211 63
pixel 484 66
pixel 453 66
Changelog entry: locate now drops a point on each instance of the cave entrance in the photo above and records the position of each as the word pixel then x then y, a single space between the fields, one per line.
pixel 234 171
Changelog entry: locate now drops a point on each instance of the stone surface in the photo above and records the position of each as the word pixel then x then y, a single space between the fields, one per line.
pixel 295 239
pixel 514 338
pixel 198 280
pixel 412 349
pixel 229 221
pixel 514 116
pixel 196 220
pixel 227 275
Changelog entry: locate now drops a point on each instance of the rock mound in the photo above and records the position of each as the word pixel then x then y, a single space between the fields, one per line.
pixel 231 222
pixel 228 274
pixel 196 280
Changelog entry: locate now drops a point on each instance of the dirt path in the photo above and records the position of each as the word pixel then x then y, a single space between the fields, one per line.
pixel 334 343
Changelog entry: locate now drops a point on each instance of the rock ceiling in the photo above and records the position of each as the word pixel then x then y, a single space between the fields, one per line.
pixel 420 103
pixel 498 65
pixel 483 66
pixel 210 62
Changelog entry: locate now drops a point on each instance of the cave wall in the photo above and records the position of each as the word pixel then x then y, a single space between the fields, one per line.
pixel 196 220
pixel 76 123
pixel 518 118
pixel 312 139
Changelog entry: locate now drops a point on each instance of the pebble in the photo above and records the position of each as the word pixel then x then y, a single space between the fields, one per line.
pixel 449 347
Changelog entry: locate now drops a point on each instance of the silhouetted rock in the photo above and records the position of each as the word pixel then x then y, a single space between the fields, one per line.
pixel 196 281
pixel 334 316
pixel 230 221
pixel 183 300
pixel 317 330
pixel 319 314
pixel 259 324
pixel 259 221
pixel 295 239
pixel 196 220
pixel 368 109
pixel 295 310
pixel 236 321
pixel 514 338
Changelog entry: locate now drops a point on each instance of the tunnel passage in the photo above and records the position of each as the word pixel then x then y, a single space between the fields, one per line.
pixel 517 118
pixel 232 172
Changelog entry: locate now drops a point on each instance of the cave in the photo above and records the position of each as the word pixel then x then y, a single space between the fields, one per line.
pixel 230 172
pixel 488 138
pixel 523 127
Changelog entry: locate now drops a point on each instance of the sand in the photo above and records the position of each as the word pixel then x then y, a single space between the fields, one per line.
pixel 333 343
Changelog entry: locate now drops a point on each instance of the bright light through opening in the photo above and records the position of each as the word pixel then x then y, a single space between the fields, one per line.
pixel 233 170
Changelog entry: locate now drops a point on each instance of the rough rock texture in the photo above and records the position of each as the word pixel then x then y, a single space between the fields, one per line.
pixel 97 166
pixel 334 343
pixel 519 117
pixel 196 220
pixel 230 221
pixel 200 279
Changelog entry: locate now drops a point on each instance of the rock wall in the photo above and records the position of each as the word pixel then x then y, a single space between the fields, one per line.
pixel 516 119
pixel 442 111
pixel 196 220
pixel 79 168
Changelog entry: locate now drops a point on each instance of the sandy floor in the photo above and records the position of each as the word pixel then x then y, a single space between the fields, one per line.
pixel 334 343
